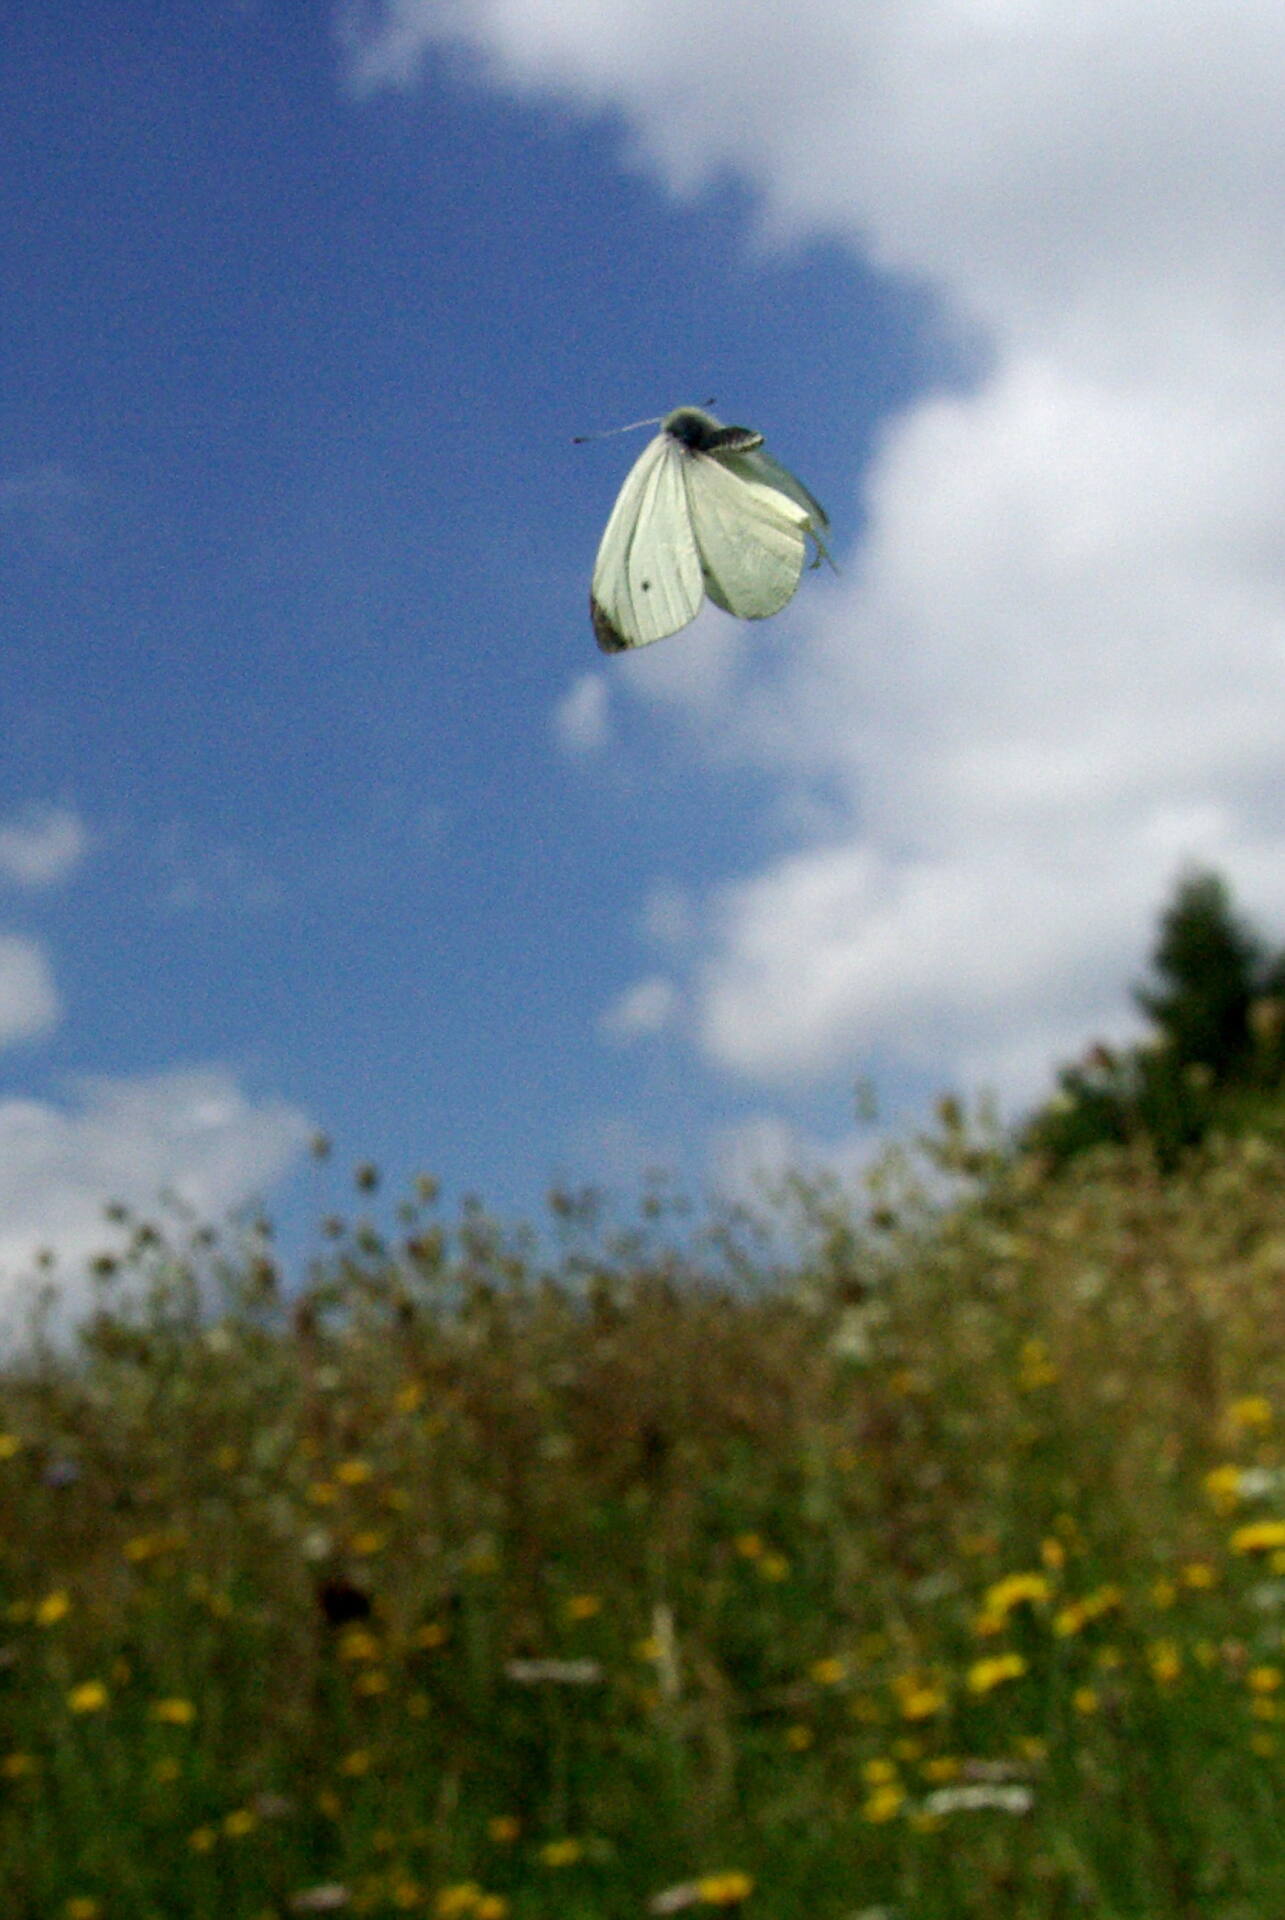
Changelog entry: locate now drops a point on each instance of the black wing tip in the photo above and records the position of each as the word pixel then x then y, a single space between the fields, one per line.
pixel 603 632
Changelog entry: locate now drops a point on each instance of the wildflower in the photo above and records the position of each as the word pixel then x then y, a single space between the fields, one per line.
pixel 1165 1661
pixel 724 1889
pixel 1199 1575
pixel 356 1764
pixel 329 1803
pixel 89 1697
pixel 408 1398
pixel 504 1829
pixel 774 1567
pixel 367 1543
pixel 491 1906
pixel 1053 1554
pixel 429 1636
pixel 1222 1488
pixel 1035 1369
pixel 749 1546
pixel 202 1839
pixel 353 1473
pixel 82 1906
pixel 239 1822
pixel 885 1803
pixel 1163 1594
pixel 917 1698
pixel 799 1738
pixel 1263 1679
pixel 53 1608
pixel 1085 1700
pixel 561 1853
pixel 941 1766
pixel 454 1901
pixel 18 1765
pixel 985 1675
pixel 9 1445
pixel 878 1773
pixel 143 1547
pixel 978 1799
pixel 1016 1590
pixel 1252 1413
pixel 583 1606
pixel 829 1672
pixel 174 1712
pixel 358 1643
pixel 1260 1536
pixel 407 1893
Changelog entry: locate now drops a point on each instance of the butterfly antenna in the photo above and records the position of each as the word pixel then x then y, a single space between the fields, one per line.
pixel 580 439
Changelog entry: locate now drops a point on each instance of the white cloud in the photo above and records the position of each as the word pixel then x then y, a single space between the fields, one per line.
pixel 645 1008
pixel 41 844
pixel 1056 668
pixel 193 1133
pixel 29 1002
pixel 581 719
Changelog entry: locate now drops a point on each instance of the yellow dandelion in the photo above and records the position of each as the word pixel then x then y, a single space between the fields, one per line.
pixel 884 1804
pixel 1070 1619
pixel 941 1768
pixel 9 1445
pixel 54 1607
pixel 830 1672
pixel 1086 1700
pixel 1263 1679
pixel 1252 1413
pixel 358 1643
pixel 1222 1488
pixel 919 1699
pixel 724 1889
pixel 1264 1707
pixel 462 1898
pixel 1165 1661
pixel 1260 1536
pixel 142 1547
pixel 561 1853
pixel 89 1697
pixel 1199 1575
pixel 583 1606
pixel 1016 1590
pixel 504 1829
pixel 878 1773
pixel 985 1675
pixel 173 1712
pixel 1053 1554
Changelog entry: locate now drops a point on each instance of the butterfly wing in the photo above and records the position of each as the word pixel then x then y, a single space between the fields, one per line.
pixel 647 578
pixel 751 538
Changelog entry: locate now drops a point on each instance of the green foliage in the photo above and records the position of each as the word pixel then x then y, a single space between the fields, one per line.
pixel 1215 1058
pixel 935 1570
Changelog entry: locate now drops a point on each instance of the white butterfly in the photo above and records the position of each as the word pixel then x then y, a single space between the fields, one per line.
pixel 703 511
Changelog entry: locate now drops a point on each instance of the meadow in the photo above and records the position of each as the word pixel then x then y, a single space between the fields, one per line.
pixel 914 1557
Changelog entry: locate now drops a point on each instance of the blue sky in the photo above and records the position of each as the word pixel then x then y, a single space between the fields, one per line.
pixel 318 807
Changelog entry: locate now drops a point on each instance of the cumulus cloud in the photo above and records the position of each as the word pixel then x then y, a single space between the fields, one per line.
pixel 581 719
pixel 41 844
pixel 1055 670
pixel 194 1134
pixel 645 1008
pixel 29 1003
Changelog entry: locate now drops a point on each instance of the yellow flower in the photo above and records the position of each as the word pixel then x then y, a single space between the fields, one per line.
pixel 561 1853
pixel 919 1699
pixel 1198 1574
pixel 749 1546
pixel 774 1567
pixel 174 1712
pixel 407 1893
pixel 1163 1594
pixel 1222 1488
pixel 367 1543
pixel 885 1803
pixel 89 1697
pixel 985 1675
pixel 227 1459
pixel 358 1643
pixel 1253 1413
pixel 724 1889
pixel 829 1672
pixel 53 1608
pixel 491 1906
pixel 1263 1679
pixel 1035 1369
pixel 82 1906
pixel 1260 1536
pixel 353 1473
pixel 9 1445
pixel 370 1683
pixel 1018 1589
pixel 202 1839
pixel 17 1766
pixel 1085 1700
pixel 1053 1554
pixel 239 1822
pixel 150 1546
pixel 504 1829
pixel 357 1763
pixel 431 1635
pixel 409 1398
pixel 583 1606
pixel 878 1773
pixel 459 1899
pixel 1165 1661
pixel 799 1738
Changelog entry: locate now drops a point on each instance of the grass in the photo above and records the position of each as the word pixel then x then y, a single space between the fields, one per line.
pixel 919 1559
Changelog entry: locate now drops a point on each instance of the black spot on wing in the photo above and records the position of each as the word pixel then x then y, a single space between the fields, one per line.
pixel 603 631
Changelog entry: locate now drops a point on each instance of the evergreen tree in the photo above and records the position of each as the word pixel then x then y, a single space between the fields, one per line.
pixel 1208 965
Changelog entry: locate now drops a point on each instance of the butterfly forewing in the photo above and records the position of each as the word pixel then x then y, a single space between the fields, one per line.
pixel 647 579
